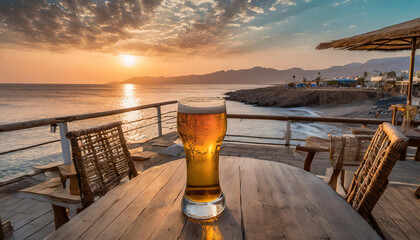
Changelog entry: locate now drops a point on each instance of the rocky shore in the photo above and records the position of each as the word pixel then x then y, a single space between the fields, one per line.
pixel 279 96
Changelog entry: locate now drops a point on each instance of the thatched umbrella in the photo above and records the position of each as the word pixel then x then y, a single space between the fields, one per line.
pixel 398 37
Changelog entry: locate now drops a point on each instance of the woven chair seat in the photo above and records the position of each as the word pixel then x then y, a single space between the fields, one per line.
pixel 348 150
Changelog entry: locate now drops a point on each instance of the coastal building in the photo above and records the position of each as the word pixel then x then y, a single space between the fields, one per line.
pixel 402 85
pixel 374 81
pixel 341 82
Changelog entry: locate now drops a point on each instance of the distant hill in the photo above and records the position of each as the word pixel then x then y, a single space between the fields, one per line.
pixel 260 75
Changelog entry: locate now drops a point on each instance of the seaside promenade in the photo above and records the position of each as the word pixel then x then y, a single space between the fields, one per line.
pixel 395 211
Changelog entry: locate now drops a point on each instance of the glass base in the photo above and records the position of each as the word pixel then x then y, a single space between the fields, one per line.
pixel 203 210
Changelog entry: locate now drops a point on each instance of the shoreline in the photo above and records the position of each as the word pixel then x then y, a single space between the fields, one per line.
pixel 345 110
pixel 328 102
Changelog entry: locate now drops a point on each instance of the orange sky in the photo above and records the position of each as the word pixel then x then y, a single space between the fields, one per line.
pixel 41 66
pixel 80 41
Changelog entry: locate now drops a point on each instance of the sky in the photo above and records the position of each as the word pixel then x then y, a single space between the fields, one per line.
pixel 98 41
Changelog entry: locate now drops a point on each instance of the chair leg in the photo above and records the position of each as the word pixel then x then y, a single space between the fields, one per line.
pixel 404 155
pixel 60 216
pixel 417 192
pixel 342 179
pixel 417 157
pixel 308 161
pixel 334 179
pixel 6 229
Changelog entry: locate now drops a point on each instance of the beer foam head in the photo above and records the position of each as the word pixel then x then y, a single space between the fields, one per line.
pixel 201 105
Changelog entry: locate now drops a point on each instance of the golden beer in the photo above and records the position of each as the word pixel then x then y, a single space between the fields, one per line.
pixel 202 135
pixel 201 124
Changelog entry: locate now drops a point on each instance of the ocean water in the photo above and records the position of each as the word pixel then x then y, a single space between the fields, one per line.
pixel 23 102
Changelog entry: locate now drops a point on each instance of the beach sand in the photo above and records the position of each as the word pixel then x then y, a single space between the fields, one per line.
pixel 358 110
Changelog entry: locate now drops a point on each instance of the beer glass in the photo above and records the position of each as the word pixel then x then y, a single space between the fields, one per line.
pixel 201 125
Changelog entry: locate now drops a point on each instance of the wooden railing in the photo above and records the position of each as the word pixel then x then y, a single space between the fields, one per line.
pixel 65 145
pixel 63 127
pixel 65 119
pixel 289 119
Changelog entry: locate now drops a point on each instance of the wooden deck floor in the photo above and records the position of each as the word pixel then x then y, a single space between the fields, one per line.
pixel 397 212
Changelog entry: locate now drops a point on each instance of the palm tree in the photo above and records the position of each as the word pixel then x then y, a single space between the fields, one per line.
pixel 294 78
pixel 318 79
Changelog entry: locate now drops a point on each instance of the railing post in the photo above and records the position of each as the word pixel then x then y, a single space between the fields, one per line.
pixel 288 133
pixel 159 121
pixel 65 143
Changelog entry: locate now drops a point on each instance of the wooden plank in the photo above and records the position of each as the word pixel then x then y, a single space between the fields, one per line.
pixel 143 155
pixel 28 205
pixel 308 219
pixel 10 200
pixel 106 209
pixel 263 218
pixel 154 161
pixel 35 225
pixel 311 149
pixel 16 204
pixel 337 215
pixel 28 208
pixel 143 216
pixel 47 167
pixel 399 220
pixel 53 192
pixel 404 207
pixel 406 199
pixel 43 232
pixel 21 219
pixel 161 142
pixel 390 229
pixel 408 192
pixel 3 195
pixel 174 222
pixel 67 171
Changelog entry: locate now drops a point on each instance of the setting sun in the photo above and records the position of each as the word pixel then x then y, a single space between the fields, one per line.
pixel 128 60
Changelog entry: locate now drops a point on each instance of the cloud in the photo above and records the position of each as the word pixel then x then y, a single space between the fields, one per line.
pixel 142 27
pixel 340 3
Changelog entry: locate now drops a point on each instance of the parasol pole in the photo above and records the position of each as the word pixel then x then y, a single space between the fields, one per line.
pixel 411 71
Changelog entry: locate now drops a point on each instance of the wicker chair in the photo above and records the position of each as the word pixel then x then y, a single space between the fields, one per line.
pixel 101 159
pixel 371 178
pixel 346 152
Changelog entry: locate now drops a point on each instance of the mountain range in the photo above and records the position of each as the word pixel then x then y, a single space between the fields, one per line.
pixel 261 75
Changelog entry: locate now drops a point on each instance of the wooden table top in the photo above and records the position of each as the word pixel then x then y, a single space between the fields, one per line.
pixel 52 192
pixel 67 171
pixel 265 200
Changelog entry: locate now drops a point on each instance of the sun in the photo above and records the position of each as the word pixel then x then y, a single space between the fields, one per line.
pixel 128 60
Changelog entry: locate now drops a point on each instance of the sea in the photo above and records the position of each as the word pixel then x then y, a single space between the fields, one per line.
pixel 24 102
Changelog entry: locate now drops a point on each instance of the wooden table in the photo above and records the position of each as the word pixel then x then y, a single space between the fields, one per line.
pixel 413 136
pixel 402 109
pixel 265 200
pixel 67 171
pixel 53 192
pixel 362 131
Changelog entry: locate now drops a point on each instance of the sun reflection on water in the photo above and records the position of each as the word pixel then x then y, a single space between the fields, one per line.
pixel 129 99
